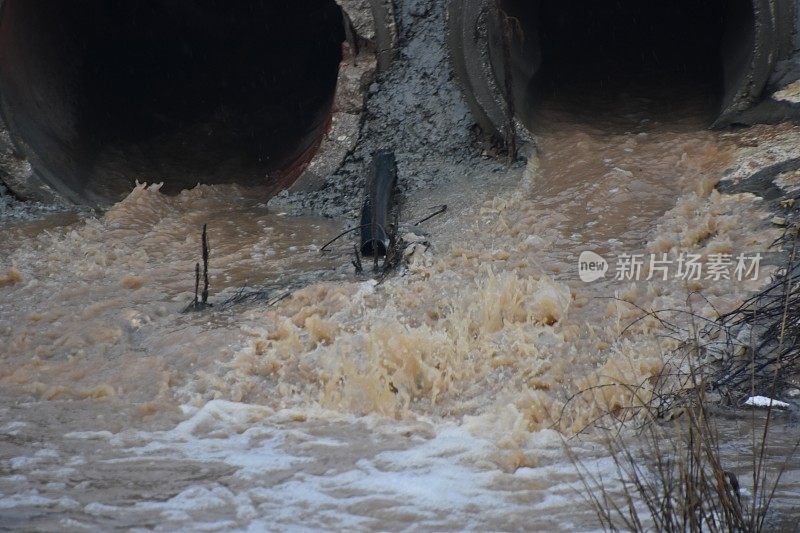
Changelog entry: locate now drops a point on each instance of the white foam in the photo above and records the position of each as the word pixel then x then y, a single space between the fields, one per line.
pixel 221 431
pixel 430 479
pixel 195 499
pixel 101 509
pixel 32 498
pixel 763 401
pixel 70 524
pixel 12 428
pixel 278 476
pixel 89 435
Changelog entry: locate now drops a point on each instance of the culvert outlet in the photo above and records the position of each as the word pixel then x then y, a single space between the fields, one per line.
pixel 97 94
pixel 510 54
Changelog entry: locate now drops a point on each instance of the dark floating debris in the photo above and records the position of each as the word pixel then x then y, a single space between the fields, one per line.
pixel 379 238
pixel 758 352
pixel 266 296
pixel 377 205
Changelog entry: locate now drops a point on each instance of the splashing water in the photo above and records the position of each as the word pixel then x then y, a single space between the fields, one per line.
pixel 438 398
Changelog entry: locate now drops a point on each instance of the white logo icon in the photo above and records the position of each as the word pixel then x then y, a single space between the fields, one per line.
pixel 591 267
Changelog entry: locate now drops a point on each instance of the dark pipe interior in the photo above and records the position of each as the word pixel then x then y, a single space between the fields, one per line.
pixel 592 55
pixel 100 93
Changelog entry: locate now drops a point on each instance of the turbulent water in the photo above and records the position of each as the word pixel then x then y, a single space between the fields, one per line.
pixel 436 399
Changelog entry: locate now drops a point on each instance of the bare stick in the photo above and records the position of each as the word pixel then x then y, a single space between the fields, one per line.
pixel 342 234
pixel 357 260
pixel 439 210
pixel 205 264
pixel 196 284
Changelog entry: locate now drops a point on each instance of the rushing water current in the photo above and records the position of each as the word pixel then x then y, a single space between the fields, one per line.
pixel 437 399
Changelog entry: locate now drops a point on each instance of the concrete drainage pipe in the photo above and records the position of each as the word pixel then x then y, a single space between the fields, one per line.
pixel 508 52
pixel 97 94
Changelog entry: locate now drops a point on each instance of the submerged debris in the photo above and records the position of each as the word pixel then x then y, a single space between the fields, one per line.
pixel 759 350
pixel 266 295
pixel 379 239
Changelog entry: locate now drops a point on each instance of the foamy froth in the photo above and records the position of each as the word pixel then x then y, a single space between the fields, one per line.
pixel 438 397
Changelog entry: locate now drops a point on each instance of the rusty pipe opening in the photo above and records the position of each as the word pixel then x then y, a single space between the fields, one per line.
pixel 511 55
pixel 97 94
pixel 589 52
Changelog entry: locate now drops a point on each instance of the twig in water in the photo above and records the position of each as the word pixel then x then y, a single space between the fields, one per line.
pixel 196 284
pixel 342 234
pixel 357 260
pixel 200 301
pixel 394 252
pixel 439 210
pixel 205 265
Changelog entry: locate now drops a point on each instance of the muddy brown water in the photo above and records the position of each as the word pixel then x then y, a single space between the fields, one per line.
pixel 436 400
